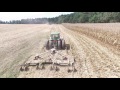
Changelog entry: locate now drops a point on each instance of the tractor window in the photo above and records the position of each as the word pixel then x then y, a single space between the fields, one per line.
pixel 56 36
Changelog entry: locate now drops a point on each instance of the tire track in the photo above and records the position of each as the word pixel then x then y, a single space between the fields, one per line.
pixel 98 53
pixel 79 53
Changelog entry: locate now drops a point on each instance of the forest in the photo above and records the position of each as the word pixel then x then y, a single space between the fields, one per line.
pixel 76 17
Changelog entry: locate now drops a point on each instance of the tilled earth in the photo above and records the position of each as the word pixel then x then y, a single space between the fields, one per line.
pixel 19 42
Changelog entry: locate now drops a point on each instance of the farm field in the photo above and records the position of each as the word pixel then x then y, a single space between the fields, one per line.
pixel 96 48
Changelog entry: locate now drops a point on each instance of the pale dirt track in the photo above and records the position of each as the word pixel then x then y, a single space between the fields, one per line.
pixel 92 58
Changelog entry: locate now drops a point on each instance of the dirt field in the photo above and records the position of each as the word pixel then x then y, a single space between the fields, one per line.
pixel 95 58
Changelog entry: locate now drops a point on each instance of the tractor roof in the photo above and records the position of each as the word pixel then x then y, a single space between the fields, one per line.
pixel 55 33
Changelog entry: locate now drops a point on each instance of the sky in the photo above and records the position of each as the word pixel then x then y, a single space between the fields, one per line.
pixel 7 16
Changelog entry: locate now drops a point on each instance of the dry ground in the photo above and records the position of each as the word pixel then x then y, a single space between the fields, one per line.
pixel 94 58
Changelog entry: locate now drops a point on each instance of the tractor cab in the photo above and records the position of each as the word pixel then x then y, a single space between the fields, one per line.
pixel 55 41
pixel 55 36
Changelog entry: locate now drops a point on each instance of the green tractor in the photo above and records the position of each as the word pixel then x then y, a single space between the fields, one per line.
pixel 55 41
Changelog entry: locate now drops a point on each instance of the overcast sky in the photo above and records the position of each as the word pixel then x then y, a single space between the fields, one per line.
pixel 7 16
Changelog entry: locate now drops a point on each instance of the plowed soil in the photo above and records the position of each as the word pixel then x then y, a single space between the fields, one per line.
pixel 94 59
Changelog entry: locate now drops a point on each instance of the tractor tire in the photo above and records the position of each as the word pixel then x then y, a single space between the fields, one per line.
pixel 63 44
pixel 47 45
pixel 50 44
pixel 59 45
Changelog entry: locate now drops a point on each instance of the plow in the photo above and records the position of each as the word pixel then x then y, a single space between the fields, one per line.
pixel 53 56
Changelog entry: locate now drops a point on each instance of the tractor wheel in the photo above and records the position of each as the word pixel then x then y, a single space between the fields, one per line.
pixel 59 45
pixel 50 44
pixel 63 44
pixel 47 45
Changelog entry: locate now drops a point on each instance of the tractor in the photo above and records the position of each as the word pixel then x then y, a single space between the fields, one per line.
pixel 52 56
pixel 55 41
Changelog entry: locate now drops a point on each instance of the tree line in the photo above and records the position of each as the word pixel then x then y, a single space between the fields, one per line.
pixel 26 21
pixel 88 17
pixel 76 17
